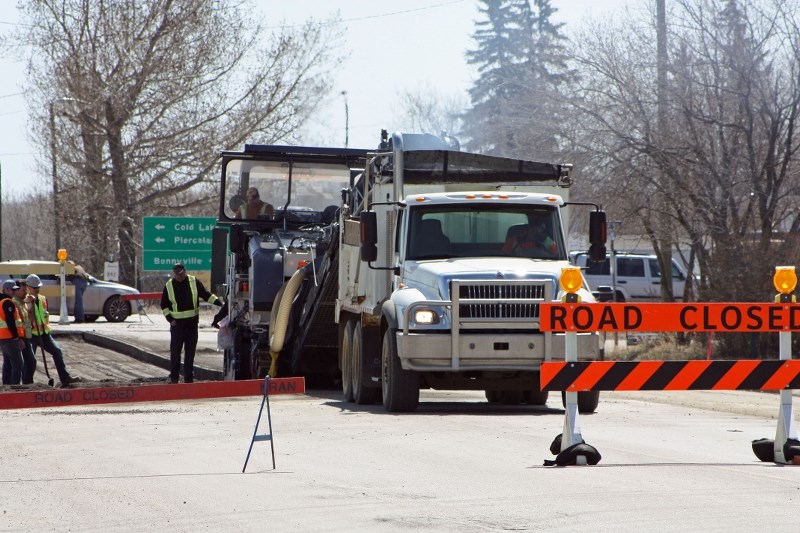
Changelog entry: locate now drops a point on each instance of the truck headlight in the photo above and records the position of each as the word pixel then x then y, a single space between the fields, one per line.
pixel 426 317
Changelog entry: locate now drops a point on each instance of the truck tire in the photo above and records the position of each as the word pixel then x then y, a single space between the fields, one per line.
pixel 535 397
pixel 587 401
pixel 506 397
pixel 347 361
pixel 362 394
pixel 400 387
pixel 493 396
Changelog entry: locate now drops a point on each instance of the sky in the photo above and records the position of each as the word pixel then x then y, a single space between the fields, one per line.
pixel 391 48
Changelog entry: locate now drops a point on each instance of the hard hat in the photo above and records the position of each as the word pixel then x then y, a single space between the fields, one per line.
pixel 33 281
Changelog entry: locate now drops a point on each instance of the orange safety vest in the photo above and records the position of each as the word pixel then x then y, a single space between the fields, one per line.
pixel 6 333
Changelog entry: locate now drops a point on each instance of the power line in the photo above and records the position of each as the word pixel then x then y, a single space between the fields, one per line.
pixel 382 15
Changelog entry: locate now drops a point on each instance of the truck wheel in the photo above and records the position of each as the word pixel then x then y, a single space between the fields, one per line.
pixel 116 309
pixel 362 395
pixel 505 397
pixel 535 397
pixel 493 396
pixel 400 387
pixel 347 361
pixel 587 401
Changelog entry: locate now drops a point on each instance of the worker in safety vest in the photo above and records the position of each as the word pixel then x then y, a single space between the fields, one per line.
pixel 11 336
pixel 40 330
pixel 19 292
pixel 254 206
pixel 180 303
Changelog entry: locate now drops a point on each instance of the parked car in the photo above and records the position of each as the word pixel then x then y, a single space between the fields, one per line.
pixel 102 298
pixel 638 276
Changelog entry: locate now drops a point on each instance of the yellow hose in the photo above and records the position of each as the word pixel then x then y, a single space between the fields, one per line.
pixel 277 327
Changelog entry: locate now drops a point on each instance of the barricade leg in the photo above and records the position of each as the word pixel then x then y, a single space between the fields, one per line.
pixel 786 427
pixel 572 426
pixel 265 436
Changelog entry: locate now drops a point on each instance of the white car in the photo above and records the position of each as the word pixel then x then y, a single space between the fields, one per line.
pixel 638 276
pixel 101 298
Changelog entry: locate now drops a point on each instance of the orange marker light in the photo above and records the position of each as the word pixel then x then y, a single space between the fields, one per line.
pixel 785 279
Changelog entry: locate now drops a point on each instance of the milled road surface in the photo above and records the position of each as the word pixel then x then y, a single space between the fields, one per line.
pixel 99 366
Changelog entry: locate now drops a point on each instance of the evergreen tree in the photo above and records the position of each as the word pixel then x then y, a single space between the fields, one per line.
pixel 521 62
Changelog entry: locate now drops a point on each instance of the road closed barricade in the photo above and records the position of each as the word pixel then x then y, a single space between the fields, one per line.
pixel 573 316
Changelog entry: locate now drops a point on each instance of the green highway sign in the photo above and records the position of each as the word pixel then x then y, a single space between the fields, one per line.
pixel 177 233
pixel 169 240
pixel 164 259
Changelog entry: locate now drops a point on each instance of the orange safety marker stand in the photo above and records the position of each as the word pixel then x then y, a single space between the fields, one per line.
pixel 148 393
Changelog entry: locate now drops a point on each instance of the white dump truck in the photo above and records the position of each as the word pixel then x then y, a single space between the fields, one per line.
pixel 432 274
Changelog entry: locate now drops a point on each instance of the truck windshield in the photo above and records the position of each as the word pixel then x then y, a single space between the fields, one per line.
pixel 442 232
pixel 259 190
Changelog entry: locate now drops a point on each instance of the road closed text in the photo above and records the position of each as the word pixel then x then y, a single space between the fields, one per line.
pixel 654 317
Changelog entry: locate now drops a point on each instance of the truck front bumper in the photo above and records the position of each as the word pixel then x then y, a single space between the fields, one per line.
pixel 486 351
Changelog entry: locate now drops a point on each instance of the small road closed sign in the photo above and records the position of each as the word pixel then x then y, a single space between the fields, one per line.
pixel 170 240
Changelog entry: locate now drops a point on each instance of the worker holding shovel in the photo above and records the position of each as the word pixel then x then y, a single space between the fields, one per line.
pixel 40 326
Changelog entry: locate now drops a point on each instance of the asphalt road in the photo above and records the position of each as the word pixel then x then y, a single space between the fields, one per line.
pixel 672 461
pixel 458 464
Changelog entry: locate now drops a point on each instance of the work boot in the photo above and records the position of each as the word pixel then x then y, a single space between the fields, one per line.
pixel 70 380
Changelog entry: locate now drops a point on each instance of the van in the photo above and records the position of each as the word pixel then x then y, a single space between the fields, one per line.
pixel 638 276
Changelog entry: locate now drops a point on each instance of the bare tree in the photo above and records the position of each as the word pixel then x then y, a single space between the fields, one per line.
pixel 724 154
pixel 427 111
pixel 144 95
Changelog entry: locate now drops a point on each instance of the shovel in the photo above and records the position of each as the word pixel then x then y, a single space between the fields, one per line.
pixel 46 371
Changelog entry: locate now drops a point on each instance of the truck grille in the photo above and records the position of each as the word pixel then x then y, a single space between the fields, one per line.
pixel 504 310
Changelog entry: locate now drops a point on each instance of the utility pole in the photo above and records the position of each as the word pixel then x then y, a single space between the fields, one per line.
pixel 346 121
pixel 54 170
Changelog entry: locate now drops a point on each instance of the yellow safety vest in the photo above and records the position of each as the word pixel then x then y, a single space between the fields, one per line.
pixel 174 304
pixel 23 313
pixel 41 317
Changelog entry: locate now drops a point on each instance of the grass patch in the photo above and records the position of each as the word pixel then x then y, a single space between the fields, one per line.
pixel 655 347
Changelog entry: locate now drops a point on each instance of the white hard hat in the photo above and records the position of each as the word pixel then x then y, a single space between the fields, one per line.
pixel 33 281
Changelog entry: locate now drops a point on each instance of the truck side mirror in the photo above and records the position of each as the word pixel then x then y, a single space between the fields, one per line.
pixel 597 236
pixel 369 236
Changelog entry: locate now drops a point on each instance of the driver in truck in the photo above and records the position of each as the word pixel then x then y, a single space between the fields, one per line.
pixel 254 206
pixel 530 236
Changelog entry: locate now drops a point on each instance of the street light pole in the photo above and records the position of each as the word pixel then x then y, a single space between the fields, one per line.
pixel 53 154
